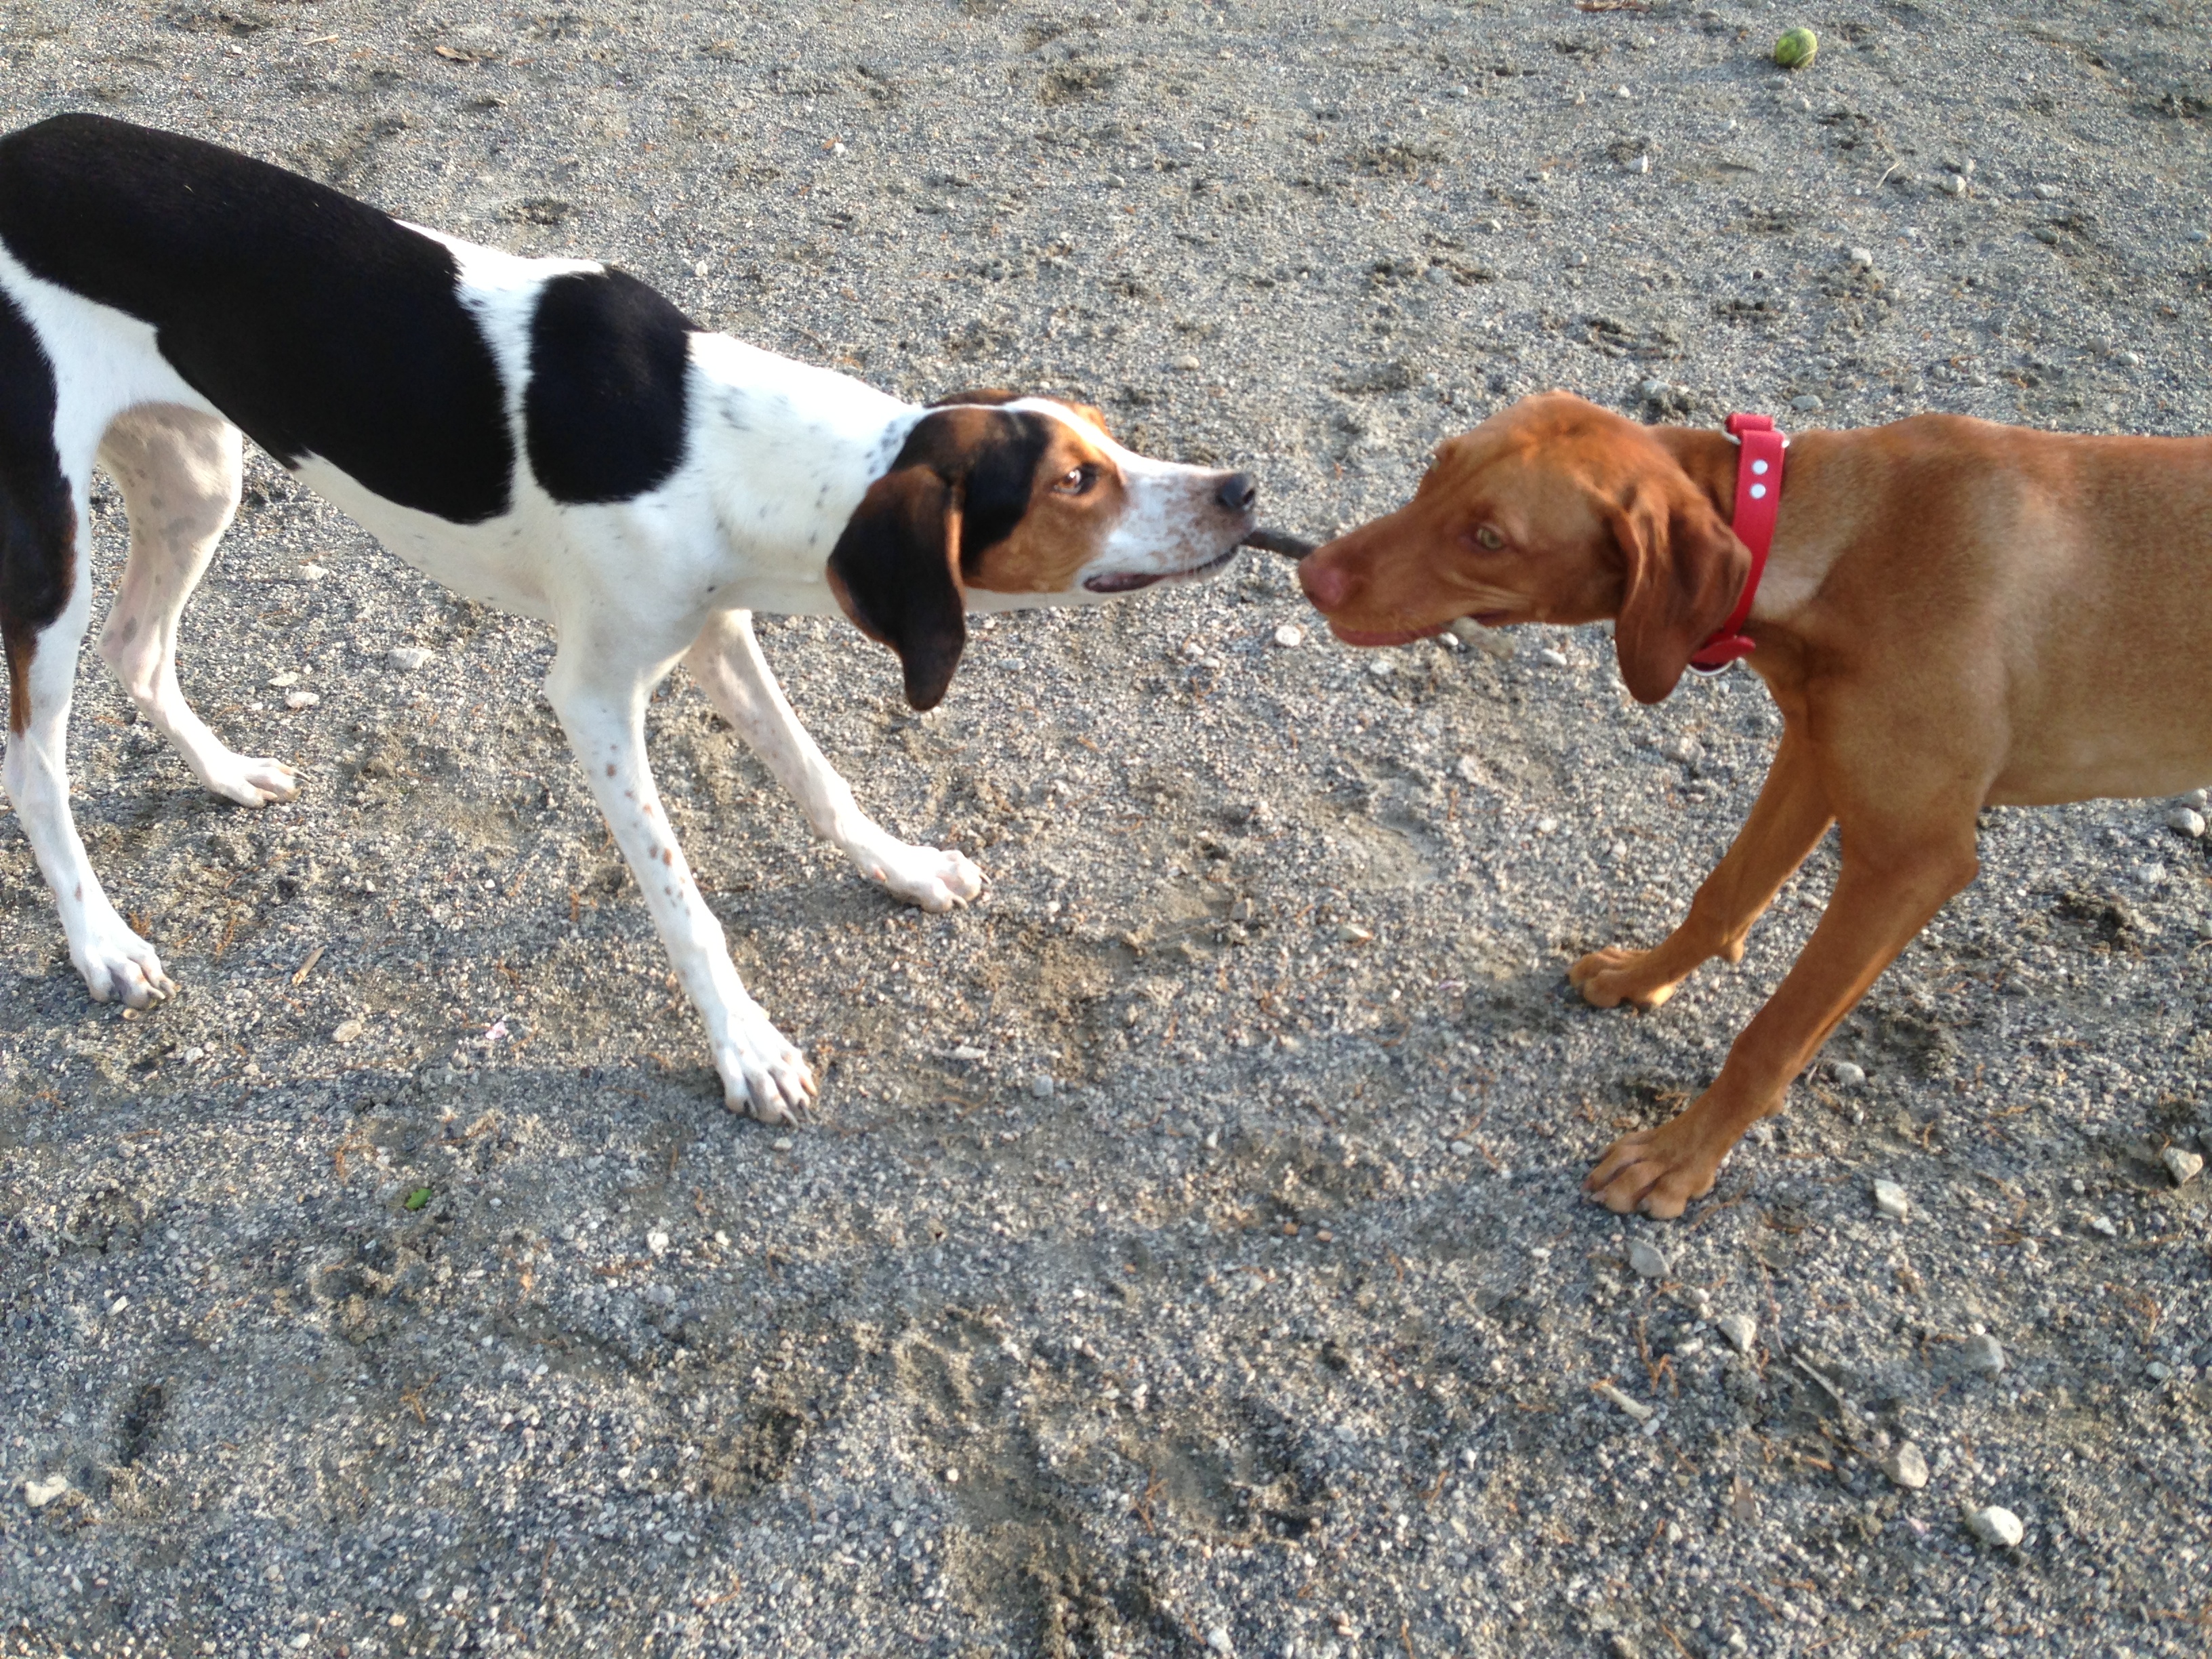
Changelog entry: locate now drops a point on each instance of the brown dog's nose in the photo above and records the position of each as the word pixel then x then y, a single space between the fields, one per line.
pixel 1326 584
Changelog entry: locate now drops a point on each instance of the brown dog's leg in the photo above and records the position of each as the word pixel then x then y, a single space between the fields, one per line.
pixel 1894 878
pixel 1787 821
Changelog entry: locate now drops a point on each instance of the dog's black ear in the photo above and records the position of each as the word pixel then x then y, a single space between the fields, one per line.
pixel 1682 568
pixel 895 571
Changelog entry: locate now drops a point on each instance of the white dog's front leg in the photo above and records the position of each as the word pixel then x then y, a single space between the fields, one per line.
pixel 727 661
pixel 605 723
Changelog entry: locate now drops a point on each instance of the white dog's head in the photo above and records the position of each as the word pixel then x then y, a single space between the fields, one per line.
pixel 1000 502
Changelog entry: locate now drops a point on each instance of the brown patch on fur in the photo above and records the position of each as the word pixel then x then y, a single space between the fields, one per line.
pixel 1063 530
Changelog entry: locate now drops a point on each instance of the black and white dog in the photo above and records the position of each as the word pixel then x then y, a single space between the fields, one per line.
pixel 550 435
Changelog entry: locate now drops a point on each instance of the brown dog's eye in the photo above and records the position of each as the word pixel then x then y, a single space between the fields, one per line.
pixel 1490 537
pixel 1076 481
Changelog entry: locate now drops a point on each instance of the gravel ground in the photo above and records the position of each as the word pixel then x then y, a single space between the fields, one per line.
pixel 1188 1259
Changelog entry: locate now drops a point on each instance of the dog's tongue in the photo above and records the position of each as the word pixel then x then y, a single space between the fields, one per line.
pixel 1279 541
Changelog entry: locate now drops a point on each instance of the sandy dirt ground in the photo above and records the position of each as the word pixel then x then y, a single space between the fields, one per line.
pixel 1188 1259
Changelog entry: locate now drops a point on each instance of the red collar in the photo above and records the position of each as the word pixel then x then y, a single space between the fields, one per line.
pixel 1758 502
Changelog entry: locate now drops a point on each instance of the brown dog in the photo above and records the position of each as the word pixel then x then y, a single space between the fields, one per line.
pixel 1955 614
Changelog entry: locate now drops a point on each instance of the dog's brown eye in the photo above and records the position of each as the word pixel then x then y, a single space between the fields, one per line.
pixel 1490 537
pixel 1075 481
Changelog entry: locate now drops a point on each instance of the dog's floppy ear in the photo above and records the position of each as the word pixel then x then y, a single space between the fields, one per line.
pixel 1682 569
pixel 895 571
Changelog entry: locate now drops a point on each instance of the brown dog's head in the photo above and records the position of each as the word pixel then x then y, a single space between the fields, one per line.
pixel 1551 511
pixel 1000 502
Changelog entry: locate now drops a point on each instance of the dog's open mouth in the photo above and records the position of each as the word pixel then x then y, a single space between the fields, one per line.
pixel 1128 581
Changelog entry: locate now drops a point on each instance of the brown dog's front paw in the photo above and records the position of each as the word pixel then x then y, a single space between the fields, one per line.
pixel 1658 1171
pixel 1609 977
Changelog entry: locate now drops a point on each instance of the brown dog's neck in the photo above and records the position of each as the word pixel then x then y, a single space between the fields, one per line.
pixel 1709 459
pixel 1804 548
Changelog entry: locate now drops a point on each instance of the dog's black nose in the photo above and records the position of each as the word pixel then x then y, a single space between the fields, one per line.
pixel 1237 492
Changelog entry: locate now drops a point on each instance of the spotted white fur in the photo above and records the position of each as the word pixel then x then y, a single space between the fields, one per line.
pixel 778 455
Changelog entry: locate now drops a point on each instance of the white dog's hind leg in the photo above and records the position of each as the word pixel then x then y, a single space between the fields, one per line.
pixel 600 700
pixel 180 471
pixel 727 661
pixel 114 961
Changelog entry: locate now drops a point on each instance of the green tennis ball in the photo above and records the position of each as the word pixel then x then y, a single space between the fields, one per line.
pixel 1794 49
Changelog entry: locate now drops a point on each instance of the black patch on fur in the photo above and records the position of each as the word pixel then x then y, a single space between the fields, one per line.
pixel 38 520
pixel 317 324
pixel 992 458
pixel 604 416
pixel 891 570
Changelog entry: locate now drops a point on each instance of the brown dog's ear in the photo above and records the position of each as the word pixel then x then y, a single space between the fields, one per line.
pixel 894 570
pixel 1682 570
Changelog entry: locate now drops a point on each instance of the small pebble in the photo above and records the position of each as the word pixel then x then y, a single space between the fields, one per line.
pixel 313 573
pixel 1654 388
pixel 1350 933
pixel 1996 1525
pixel 1862 258
pixel 407 658
pixel 2128 359
pixel 347 1031
pixel 1982 1353
pixel 1906 1467
pixel 1641 164
pixel 782 1142
pixel 657 1242
pixel 1557 658
pixel 1040 1085
pixel 1685 749
pixel 296 700
pixel 2187 820
pixel 1647 1260
pixel 1847 1074
pixel 952 1477
pixel 1290 636
pixel 1806 402
pixel 1382 667
pixel 290 677
pixel 39 1493
pixel 1189 365
pixel 1889 1198
pixel 1740 1329
pixel 1217 1641
pixel 2183 1165
pixel 2102 1224
pixel 1952 184
pixel 2158 1370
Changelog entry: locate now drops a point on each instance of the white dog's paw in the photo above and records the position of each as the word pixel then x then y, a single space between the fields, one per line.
pixel 250 779
pixel 120 966
pixel 762 1073
pixel 934 878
